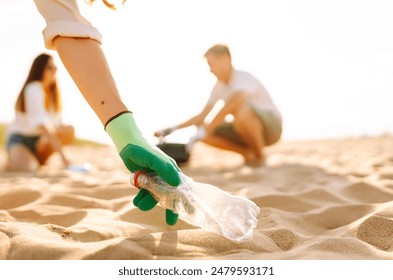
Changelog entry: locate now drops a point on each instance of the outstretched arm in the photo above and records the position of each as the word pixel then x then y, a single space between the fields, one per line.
pixel 78 45
pixel 87 65
pixel 195 120
pixel 198 119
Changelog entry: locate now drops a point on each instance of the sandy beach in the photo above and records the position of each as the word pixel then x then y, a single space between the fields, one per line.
pixel 325 199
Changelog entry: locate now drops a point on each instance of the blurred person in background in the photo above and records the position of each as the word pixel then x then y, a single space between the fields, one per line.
pixel 255 120
pixel 37 130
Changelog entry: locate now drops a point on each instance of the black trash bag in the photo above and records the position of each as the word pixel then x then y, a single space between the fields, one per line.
pixel 178 151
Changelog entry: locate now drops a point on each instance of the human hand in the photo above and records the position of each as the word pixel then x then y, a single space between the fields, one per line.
pixel 165 132
pixel 138 154
pixel 66 163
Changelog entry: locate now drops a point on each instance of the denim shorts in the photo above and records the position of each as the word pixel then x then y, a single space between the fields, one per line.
pixel 29 142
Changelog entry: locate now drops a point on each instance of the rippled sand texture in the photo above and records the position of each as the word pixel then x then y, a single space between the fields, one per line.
pixel 318 199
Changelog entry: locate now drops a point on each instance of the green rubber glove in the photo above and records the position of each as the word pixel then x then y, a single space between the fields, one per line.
pixel 138 154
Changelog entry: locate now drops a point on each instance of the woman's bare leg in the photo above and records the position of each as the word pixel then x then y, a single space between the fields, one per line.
pixel 87 65
pixel 44 149
pixel 21 159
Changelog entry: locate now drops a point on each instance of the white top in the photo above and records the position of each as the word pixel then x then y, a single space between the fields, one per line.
pixel 63 18
pixel 36 114
pixel 241 81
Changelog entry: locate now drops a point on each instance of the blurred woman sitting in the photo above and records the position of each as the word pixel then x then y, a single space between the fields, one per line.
pixel 37 130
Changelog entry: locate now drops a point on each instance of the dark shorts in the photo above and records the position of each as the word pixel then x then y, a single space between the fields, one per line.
pixel 29 142
pixel 271 123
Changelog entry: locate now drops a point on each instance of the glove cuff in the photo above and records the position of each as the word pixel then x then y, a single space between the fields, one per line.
pixel 115 116
pixel 122 129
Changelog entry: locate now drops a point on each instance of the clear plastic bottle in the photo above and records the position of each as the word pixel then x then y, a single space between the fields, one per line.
pixel 203 205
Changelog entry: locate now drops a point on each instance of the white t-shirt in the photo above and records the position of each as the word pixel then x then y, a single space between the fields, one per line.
pixel 36 114
pixel 241 81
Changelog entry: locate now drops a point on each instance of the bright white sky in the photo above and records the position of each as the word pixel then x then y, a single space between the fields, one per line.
pixel 327 64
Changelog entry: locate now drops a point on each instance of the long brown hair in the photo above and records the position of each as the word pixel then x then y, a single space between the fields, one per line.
pixel 52 96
